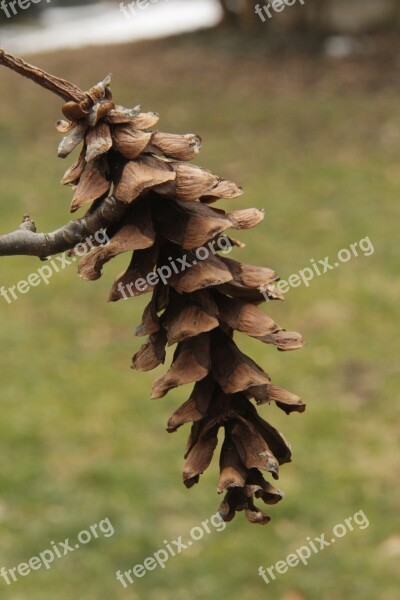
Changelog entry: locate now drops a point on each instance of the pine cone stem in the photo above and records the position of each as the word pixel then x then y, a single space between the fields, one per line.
pixel 66 90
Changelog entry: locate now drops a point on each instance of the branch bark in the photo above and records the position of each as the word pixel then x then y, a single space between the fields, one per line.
pixel 25 241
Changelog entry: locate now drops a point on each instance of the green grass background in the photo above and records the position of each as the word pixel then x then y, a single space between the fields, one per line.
pixel 81 440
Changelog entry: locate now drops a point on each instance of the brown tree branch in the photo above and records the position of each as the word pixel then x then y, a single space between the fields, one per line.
pixel 66 90
pixel 25 240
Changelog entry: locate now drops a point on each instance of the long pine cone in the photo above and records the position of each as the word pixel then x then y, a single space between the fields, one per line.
pixel 199 296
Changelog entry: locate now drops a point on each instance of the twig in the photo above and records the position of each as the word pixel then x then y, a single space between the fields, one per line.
pixel 66 90
pixel 25 240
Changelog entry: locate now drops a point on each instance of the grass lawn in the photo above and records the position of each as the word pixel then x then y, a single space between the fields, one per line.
pixel 80 438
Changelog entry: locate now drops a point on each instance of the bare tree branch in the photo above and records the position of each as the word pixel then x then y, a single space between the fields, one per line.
pixel 25 240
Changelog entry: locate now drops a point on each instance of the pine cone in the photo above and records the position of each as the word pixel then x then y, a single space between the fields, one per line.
pixel 202 301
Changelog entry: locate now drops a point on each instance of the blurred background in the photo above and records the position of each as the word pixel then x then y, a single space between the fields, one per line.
pixel 302 111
